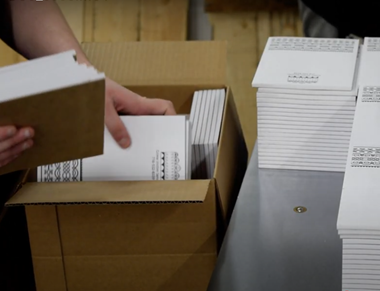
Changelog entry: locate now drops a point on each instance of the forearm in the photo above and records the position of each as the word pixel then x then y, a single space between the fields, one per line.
pixel 39 29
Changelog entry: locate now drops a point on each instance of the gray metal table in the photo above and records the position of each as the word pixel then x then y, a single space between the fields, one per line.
pixel 270 247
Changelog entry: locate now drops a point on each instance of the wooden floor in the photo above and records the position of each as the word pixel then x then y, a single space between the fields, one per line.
pixel 152 20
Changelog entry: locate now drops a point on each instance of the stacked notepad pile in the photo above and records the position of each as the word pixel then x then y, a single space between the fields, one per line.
pixel 359 216
pixel 160 150
pixel 206 119
pixel 359 220
pixel 306 102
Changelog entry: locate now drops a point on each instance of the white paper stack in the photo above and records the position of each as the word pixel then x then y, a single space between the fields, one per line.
pixel 369 71
pixel 160 150
pixel 206 119
pixel 358 221
pixel 306 102
pixel 44 74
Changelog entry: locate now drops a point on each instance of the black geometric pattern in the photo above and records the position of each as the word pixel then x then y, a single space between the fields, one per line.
pixel 169 166
pixel 371 94
pixel 303 78
pixel 307 44
pixel 69 171
pixel 368 157
pixel 373 44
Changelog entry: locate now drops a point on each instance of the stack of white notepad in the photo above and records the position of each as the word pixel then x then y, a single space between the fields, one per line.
pixel 359 216
pixel 160 150
pixel 306 102
pixel 206 119
pixel 359 220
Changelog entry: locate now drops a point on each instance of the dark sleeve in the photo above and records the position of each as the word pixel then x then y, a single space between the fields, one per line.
pixel 6 30
pixel 360 18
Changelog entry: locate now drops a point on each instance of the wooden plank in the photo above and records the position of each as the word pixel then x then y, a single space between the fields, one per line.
pixel 299 26
pixel 275 23
pixel 115 20
pixel 73 12
pixel 263 31
pixel 163 20
pixel 213 6
pixel 288 23
pixel 283 23
pixel 88 21
pixel 240 31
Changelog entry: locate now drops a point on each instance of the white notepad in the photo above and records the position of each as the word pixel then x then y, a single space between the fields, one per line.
pixel 369 71
pixel 207 111
pixel 338 113
pixel 311 93
pixel 159 151
pixel 46 62
pixel 308 64
pixel 43 75
pixel 306 99
pixel 194 117
pixel 306 119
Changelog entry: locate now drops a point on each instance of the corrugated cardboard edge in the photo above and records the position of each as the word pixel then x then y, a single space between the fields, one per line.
pixel 113 192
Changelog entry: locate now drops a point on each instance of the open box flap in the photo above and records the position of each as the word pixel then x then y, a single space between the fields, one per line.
pixel 113 192
pixel 232 159
pixel 165 63
pixel 68 124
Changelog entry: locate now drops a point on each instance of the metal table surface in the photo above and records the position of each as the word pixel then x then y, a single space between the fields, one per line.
pixel 270 247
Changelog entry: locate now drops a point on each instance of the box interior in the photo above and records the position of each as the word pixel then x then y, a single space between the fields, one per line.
pixel 230 148
pixel 87 234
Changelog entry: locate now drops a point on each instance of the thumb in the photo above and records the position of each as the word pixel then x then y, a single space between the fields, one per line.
pixel 116 126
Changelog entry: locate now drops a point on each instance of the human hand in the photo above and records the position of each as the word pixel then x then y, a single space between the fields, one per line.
pixel 13 142
pixel 122 100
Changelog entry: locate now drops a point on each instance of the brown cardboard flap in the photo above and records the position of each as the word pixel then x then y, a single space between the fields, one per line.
pixel 232 158
pixel 161 62
pixel 113 192
pixel 68 124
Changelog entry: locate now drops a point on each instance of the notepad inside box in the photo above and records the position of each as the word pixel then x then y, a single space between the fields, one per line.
pixel 140 235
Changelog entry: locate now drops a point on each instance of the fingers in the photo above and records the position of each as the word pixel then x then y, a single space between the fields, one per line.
pixel 128 102
pixel 13 142
pixel 115 126
pixel 21 135
pixel 7 132
pixel 12 153
pixel 155 107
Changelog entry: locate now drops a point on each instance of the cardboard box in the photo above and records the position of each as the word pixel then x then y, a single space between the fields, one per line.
pixel 154 235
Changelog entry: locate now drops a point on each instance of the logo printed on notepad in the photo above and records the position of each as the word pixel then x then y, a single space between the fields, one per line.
pixel 70 171
pixel 366 157
pixel 371 94
pixel 310 44
pixel 373 44
pixel 169 166
pixel 303 78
